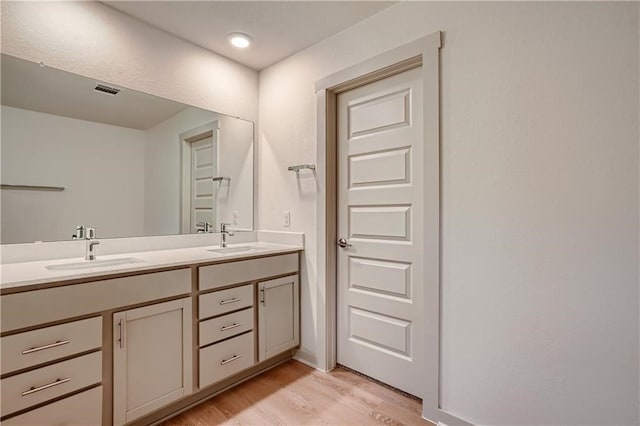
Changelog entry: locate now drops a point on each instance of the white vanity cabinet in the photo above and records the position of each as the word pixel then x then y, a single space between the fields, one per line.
pixel 225 333
pixel 151 358
pixel 228 336
pixel 48 363
pixel 278 316
pixel 54 358
pixel 124 349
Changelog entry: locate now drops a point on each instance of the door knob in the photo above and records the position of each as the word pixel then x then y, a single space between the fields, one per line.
pixel 343 243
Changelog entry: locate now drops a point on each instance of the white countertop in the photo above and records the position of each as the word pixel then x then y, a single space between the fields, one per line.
pixel 16 275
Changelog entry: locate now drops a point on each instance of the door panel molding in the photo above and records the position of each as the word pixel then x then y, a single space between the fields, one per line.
pixel 423 52
pixel 187 138
pixel 374 329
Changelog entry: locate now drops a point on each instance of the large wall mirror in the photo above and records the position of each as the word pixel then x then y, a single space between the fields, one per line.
pixel 76 151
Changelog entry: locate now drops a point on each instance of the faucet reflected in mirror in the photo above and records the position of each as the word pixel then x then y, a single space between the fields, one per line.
pixel 153 155
pixel 88 234
pixel 204 228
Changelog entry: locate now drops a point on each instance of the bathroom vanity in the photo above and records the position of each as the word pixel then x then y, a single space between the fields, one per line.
pixel 141 336
pixel 155 322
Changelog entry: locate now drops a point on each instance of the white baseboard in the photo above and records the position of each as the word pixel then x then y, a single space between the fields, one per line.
pixel 307 358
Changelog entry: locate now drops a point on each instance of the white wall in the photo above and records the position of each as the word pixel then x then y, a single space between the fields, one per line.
pixel 163 170
pixel 141 196
pixel 540 190
pixel 235 160
pixel 44 149
pixel 93 40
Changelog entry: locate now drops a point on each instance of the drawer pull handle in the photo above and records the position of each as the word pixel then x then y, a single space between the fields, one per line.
pixel 233 358
pixel 47 386
pixel 234 300
pixel 49 346
pixel 229 327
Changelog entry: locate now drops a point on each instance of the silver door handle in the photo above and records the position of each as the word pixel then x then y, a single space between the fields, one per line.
pixel 121 326
pixel 233 358
pixel 49 346
pixel 225 302
pixel 229 327
pixel 47 386
pixel 343 243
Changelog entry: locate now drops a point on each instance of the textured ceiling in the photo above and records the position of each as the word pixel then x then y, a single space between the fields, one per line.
pixel 26 85
pixel 278 28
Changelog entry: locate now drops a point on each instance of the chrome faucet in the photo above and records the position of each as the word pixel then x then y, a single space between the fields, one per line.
pixel 224 231
pixel 91 243
pixel 204 227
pixel 80 233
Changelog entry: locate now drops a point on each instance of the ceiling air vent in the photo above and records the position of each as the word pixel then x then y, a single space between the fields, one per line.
pixel 106 89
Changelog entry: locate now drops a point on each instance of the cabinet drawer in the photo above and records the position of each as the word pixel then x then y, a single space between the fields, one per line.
pixel 82 409
pixel 58 303
pixel 215 276
pixel 225 326
pixel 223 301
pixel 40 385
pixel 226 358
pixel 48 344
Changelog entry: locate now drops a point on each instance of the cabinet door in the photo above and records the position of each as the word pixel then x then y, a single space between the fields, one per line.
pixel 80 409
pixel 278 316
pixel 152 362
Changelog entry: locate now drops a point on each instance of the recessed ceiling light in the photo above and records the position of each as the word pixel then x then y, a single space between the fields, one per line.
pixel 239 40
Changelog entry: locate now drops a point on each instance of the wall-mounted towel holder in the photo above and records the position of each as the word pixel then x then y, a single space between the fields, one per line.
pixel 301 166
pixel 32 187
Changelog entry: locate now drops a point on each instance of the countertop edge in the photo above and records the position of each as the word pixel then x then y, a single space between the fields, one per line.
pixel 20 286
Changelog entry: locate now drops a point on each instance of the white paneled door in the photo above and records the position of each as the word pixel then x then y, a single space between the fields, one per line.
pixel 202 186
pixel 380 229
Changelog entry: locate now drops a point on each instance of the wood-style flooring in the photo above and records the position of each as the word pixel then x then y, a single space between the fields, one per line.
pixel 295 394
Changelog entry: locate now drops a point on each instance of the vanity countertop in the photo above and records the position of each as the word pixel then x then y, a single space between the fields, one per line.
pixel 31 275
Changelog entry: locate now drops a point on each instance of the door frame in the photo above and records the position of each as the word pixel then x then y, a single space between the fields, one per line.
pixel 423 53
pixel 186 139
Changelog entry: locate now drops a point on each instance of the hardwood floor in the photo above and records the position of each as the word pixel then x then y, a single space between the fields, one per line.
pixel 294 394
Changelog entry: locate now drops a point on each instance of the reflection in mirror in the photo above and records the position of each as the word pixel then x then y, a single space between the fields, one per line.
pixel 126 163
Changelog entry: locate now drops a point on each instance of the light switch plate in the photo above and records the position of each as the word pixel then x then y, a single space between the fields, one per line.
pixel 286 218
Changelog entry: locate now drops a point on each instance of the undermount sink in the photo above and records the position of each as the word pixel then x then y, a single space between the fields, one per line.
pixel 237 249
pixel 88 264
